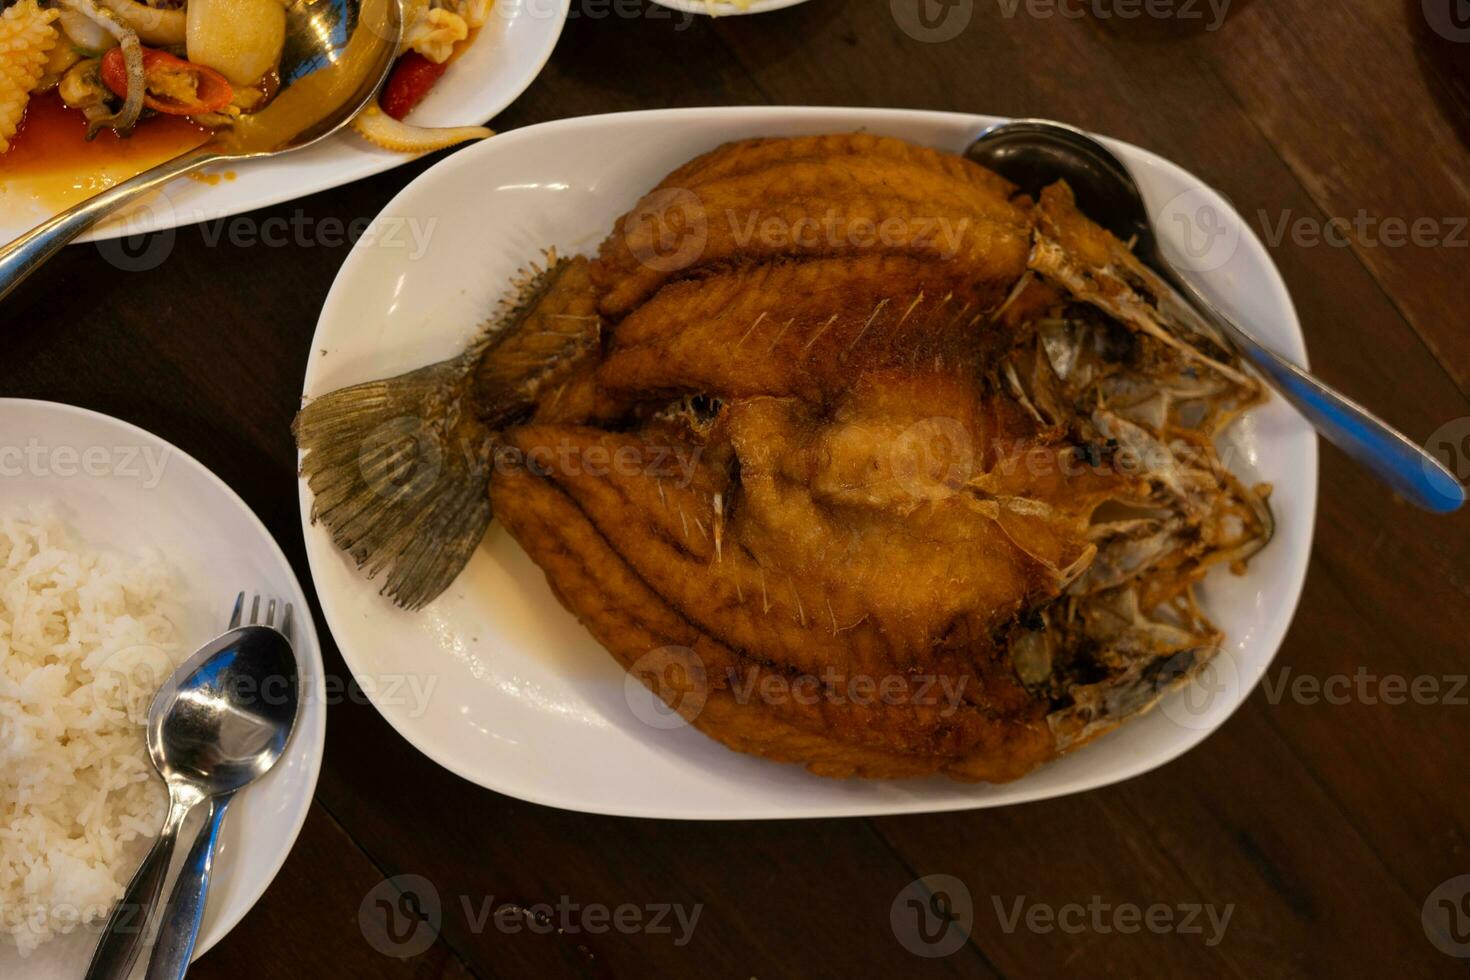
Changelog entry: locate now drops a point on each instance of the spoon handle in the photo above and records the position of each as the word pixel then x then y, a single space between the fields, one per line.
pixel 1395 458
pixel 184 913
pixel 127 928
pixel 26 254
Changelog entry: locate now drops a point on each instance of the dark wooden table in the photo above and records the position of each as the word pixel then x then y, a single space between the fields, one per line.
pixel 1323 824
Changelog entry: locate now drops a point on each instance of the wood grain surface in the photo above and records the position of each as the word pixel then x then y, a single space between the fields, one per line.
pixel 1320 828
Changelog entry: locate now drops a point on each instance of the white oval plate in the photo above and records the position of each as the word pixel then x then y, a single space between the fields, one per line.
pixel 505 58
pixel 524 701
pixel 139 491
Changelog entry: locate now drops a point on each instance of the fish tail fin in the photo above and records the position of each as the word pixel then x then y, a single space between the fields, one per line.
pixel 400 471
pixel 400 468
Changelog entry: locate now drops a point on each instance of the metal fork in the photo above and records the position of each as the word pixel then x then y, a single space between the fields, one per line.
pixel 270 614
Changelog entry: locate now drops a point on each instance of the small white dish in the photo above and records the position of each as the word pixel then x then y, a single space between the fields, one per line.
pixel 723 8
pixel 523 700
pixel 506 56
pixel 122 488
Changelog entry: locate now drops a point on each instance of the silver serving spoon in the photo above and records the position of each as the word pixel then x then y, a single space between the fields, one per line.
pixel 1033 153
pixel 218 724
pixel 336 55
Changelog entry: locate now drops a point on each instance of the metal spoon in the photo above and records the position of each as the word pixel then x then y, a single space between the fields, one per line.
pixel 336 55
pixel 219 723
pixel 1033 153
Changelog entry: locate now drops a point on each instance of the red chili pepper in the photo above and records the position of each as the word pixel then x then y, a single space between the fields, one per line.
pixel 211 90
pixel 410 81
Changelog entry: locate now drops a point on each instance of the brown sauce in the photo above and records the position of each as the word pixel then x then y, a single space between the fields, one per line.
pixel 51 165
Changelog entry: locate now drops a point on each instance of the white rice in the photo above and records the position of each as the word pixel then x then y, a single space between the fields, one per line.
pixel 86 638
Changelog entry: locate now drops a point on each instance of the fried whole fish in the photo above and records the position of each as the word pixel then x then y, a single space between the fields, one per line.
pixel 892 472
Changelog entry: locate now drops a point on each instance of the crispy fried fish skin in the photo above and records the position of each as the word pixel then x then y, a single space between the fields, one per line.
pixel 834 730
pixel 744 156
pixel 776 543
pixel 559 332
pixel 803 329
pixel 811 207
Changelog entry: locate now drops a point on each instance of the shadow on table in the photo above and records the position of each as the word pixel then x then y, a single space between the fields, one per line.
pixel 1441 30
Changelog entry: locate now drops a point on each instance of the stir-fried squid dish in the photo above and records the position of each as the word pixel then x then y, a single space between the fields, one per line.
pixel 858 457
pixel 122 62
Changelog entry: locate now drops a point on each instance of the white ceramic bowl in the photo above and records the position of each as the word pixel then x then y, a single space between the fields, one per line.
pixel 506 56
pixel 139 491
pixel 524 700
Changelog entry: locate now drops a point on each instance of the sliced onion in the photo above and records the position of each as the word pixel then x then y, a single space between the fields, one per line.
pixel 84 32
pixel 381 129
pixel 158 26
